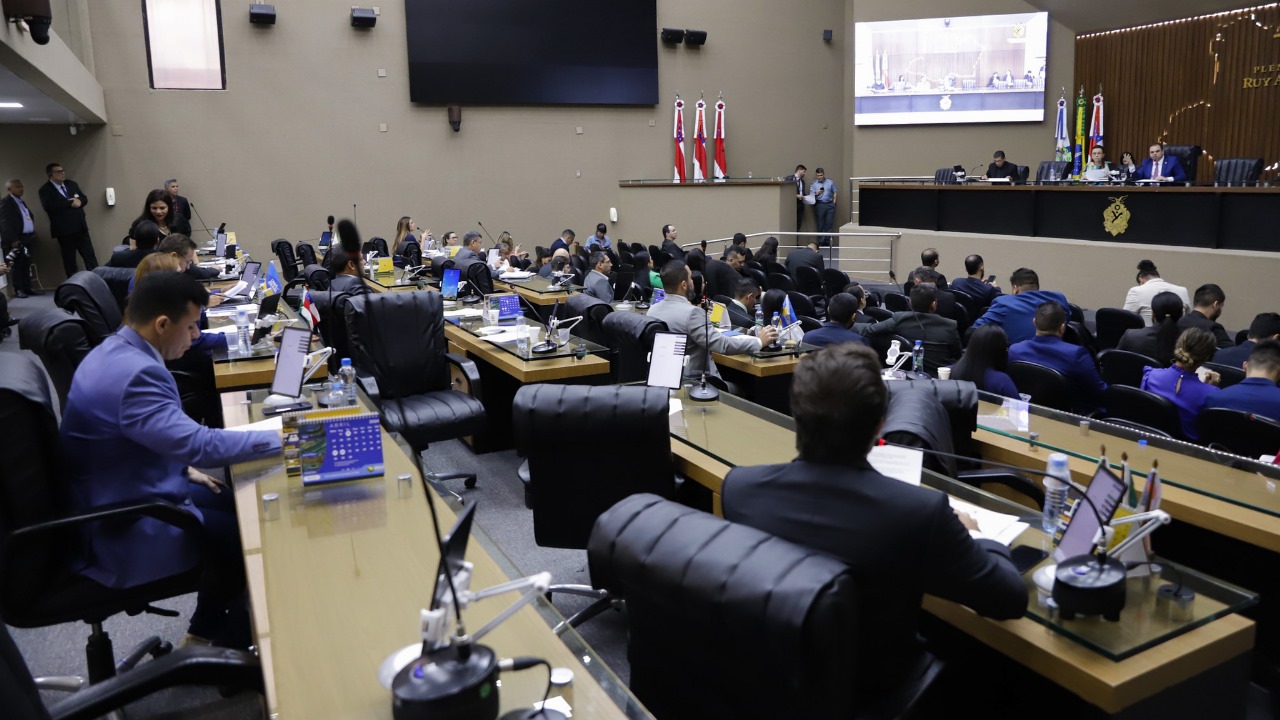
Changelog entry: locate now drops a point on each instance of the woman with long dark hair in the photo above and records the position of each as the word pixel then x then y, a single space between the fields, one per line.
pixel 1180 383
pixel 1158 340
pixel 768 251
pixel 984 362
pixel 159 209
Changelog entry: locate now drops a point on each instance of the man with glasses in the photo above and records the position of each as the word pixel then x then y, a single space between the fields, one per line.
pixel 64 203
pixel 1160 167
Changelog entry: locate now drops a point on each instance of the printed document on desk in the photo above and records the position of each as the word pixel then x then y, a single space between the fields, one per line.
pixel 992 525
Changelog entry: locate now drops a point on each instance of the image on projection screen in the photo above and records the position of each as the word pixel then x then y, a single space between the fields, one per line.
pixel 984 68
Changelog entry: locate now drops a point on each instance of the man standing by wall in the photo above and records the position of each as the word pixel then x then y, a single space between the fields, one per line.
pixel 798 179
pixel 64 202
pixel 17 236
pixel 823 191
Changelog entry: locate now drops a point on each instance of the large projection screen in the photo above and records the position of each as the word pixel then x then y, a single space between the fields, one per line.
pixel 977 69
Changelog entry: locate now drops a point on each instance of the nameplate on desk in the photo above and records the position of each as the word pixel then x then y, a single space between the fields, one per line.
pixel 333 445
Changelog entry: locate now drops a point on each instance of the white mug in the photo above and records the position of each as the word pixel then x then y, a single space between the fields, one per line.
pixel 944 373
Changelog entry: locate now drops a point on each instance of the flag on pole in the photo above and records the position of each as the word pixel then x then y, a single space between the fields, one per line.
pixel 272 284
pixel 1063 145
pixel 679 136
pixel 1095 126
pixel 309 312
pixel 700 141
pixel 720 168
pixel 1077 161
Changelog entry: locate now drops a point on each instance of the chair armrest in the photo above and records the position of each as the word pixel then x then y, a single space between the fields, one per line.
pixel 369 384
pixel 464 375
pixel 1012 480
pixel 217 667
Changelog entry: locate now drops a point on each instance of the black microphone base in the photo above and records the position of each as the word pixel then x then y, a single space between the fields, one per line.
pixel 702 392
pixel 448 685
pixel 544 348
pixel 1089 585
pixel 531 714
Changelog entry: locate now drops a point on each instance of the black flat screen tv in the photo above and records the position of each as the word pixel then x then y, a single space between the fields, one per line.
pixel 522 52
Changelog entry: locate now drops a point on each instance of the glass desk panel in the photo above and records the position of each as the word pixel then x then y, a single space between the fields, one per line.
pixel 1223 476
pixel 264 348
pixel 540 285
pixel 719 429
pixel 537 333
pixel 400 278
pixel 784 352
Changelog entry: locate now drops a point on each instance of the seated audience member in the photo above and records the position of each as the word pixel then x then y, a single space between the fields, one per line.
pixel 506 257
pixel 1149 285
pixel 739 242
pixel 1265 326
pixel 807 256
pixel 722 276
pixel 742 307
pixel 984 362
pixel 1180 383
pixel 599 240
pixel 1257 393
pixel 901 541
pixel 449 239
pixel 550 267
pixel 597 281
pixel 940 335
pixel 669 244
pixel 841 309
pixel 645 276
pixel 564 242
pixel 472 249
pixel 143 238
pixel 682 316
pixel 696 260
pixel 1205 311
pixel 207 342
pixel 184 248
pixel 543 258
pixel 768 251
pixel 347 271
pixel 1158 340
pixel 974 285
pixel 1016 311
pixel 860 293
pixel 1049 349
pixel 925 275
pixel 125 439
pixel 929 258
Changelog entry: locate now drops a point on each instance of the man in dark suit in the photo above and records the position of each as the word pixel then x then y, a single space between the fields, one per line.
pixel 721 276
pixel 64 202
pixel 982 292
pixel 740 242
pixel 808 256
pixel 472 249
pixel 1265 326
pixel 180 205
pixel 841 309
pixel 669 244
pixel 798 178
pixel 1257 393
pixel 17 238
pixel 1049 349
pixel 940 335
pixel 1000 168
pixel 742 306
pixel 1160 167
pixel 1206 309
pixel 901 541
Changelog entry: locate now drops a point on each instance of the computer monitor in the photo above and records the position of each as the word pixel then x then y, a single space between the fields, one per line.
pixel 326 238
pixel 666 362
pixel 503 307
pixel 449 286
pixel 291 361
pixel 1106 490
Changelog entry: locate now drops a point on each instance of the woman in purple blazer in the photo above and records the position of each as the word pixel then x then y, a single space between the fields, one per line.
pixel 1180 383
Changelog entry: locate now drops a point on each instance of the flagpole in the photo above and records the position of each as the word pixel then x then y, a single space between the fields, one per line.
pixel 678 135
pixel 720 166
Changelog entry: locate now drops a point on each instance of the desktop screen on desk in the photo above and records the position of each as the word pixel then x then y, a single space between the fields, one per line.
pixel 977 69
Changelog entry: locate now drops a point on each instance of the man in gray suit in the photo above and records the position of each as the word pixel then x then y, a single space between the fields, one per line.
pixel 472 245
pixel 682 316
pixel 597 281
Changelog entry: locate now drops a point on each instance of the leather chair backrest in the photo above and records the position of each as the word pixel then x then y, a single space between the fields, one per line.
pixel 411 251
pixel 693 582
pixel 802 304
pixel 567 500
pixel 306 254
pixel 631 336
pixel 834 281
pixel 1050 169
pixel 117 280
pixel 1111 324
pixel 623 282
pixel 1122 367
pixel 30 480
pixel 1229 375
pixel 945 176
pixel 758 275
pixel 781 281
pixel 1237 171
pixel 1024 172
pixel 916 419
pixel 88 296
pixel 1141 406
pixel 809 280
pixel 331 306
pixel 376 243
pixel 897 302
pixel 288 261
pixel 399 339
pixel 479 276
pixel 439 264
pixel 957 398
pixel 1046 386
pixel 60 340
pixel 1188 156
pixel 593 312
pixel 318 278
pixel 1240 432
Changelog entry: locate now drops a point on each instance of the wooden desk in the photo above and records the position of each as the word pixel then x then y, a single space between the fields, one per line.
pixel 247 374
pixel 765 381
pixel 336 583
pixel 545 299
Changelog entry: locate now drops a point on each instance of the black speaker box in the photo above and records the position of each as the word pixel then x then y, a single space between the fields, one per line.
pixel 363 18
pixel 262 14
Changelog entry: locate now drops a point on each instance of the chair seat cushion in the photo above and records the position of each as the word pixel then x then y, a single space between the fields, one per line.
pixel 426 418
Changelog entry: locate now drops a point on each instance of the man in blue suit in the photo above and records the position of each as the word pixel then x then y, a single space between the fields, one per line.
pixel 1049 349
pixel 841 310
pixel 1160 167
pixel 126 439
pixel 1257 393
pixel 1015 312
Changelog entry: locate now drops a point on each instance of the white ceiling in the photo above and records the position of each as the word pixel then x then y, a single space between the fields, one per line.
pixel 1086 16
pixel 37 108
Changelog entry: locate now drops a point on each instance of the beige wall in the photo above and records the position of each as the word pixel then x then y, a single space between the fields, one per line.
pixel 922 149
pixel 1098 274
pixel 295 136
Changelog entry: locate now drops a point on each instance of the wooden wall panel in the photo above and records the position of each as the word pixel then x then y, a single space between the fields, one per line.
pixel 1212 81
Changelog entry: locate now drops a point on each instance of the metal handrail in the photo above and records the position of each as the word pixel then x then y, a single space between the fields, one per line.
pixel 893 235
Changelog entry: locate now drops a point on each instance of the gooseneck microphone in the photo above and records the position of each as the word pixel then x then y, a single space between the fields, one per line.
pixel 702 392
pixel 202 222
pixel 330 221
pixel 486 233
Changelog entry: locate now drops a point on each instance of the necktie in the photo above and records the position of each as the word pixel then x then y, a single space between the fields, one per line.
pixel 63 190
pixel 1160 168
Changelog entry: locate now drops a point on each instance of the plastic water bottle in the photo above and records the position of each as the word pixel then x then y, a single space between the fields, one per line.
pixel 348 375
pixel 1057 481
pixel 337 393
pixel 917 357
pixel 242 330
pixel 759 316
pixel 522 336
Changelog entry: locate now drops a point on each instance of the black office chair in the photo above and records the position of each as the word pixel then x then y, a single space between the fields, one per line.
pixel 809 323
pixel 762 281
pixel 1237 171
pixel 480 278
pixel 1024 172
pixel 306 254
pixel 809 281
pixel 971 304
pixel 1230 374
pixel 1051 169
pixel 630 336
pixel 565 503
pixel 680 568
pixel 1111 324
pixel 1121 367
pixel 834 281
pixel 803 304
pixel 623 284
pixel 317 278
pixel 1239 432
pixel 41 540
pixel 411 251
pixel 283 251
pixel 897 302
pixel 776 267
pixel 439 264
pixel 60 340
pixel 1046 386
pixel 593 311
pixel 376 244
pixel 945 176
pixel 1140 406
pixel 117 280
pixel 399 349
pixel 781 281
pixel 1078 334
pixel 877 313
pixel 88 296
pixel 1188 156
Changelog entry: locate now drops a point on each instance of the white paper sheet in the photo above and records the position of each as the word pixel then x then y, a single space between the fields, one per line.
pixel 273 423
pixel 999 527
pixel 898 463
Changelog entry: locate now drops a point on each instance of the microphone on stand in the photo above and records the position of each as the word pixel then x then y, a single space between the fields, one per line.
pixel 330 221
pixel 702 392
pixel 202 222
pixel 486 233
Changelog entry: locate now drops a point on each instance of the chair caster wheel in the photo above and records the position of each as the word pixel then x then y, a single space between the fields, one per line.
pixel 469 483
pixel 161 650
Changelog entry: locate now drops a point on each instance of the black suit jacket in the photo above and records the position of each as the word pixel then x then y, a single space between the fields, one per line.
pixel 182 206
pixel 672 249
pixel 721 278
pixel 64 220
pixel 941 335
pixel 128 257
pixel 803 256
pixel 738 317
pixel 1198 320
pixel 11 221
pixel 1140 340
pixel 900 541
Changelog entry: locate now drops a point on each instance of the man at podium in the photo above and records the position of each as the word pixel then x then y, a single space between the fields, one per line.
pixel 1160 167
pixel 1000 168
